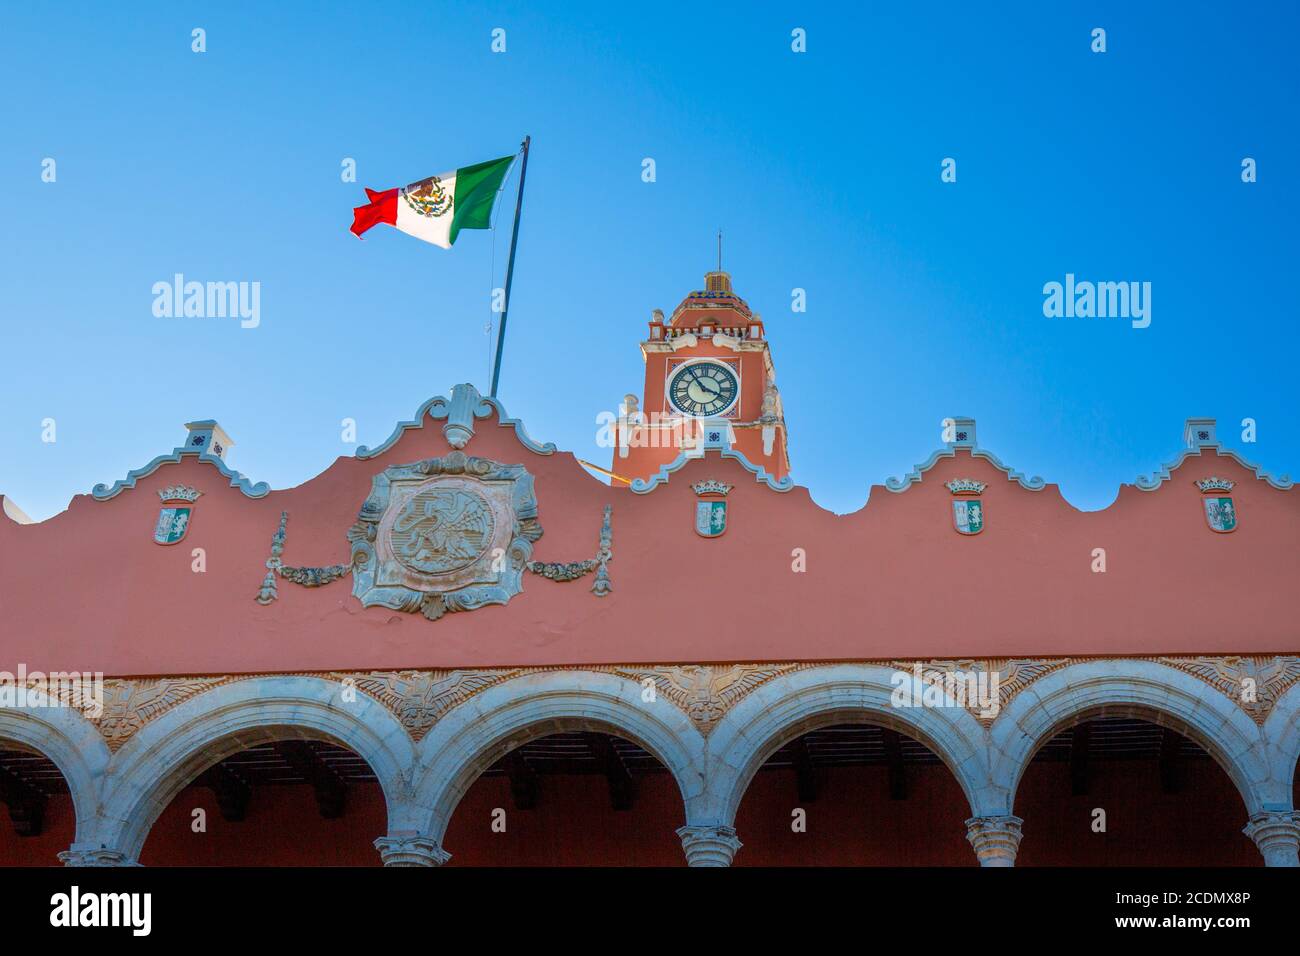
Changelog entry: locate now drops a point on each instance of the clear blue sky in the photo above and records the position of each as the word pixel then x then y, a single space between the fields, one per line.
pixel 823 169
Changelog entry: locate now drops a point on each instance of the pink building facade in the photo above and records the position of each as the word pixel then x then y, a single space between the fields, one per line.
pixel 461 646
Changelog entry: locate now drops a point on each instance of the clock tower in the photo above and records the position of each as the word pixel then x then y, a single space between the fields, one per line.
pixel 709 383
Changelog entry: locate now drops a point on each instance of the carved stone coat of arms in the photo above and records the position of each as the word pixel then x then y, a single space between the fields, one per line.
pixel 445 534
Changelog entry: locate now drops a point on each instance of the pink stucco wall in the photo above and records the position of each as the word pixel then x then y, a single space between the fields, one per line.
pixel 89 590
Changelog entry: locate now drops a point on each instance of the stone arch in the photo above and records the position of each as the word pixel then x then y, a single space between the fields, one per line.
pixel 793 704
pixel 1282 735
pixel 72 743
pixel 474 735
pixel 1126 687
pixel 167 753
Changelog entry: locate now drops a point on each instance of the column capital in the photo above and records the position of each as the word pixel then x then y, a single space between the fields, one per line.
pixel 1277 834
pixel 995 839
pixel 81 854
pixel 709 845
pixel 411 849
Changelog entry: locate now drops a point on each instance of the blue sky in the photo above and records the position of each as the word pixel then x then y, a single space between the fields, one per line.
pixel 822 169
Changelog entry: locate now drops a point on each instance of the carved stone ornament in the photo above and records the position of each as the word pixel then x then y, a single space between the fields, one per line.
pixel 268 591
pixel 705 693
pixel 989 683
pixel 572 570
pixel 315 577
pixel 446 534
pixel 1253 683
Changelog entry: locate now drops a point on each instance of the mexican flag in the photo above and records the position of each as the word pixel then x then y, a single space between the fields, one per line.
pixel 438 208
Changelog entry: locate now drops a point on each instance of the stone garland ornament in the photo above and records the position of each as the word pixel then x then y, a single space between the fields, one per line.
pixel 562 571
pixel 307 577
pixel 603 585
pixel 268 592
pixel 315 577
pixel 967 510
pixel 571 571
pixel 446 534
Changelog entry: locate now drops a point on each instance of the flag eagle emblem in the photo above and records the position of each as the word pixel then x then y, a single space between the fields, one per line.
pixel 427 197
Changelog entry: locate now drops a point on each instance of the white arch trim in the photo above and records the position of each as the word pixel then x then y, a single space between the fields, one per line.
pixel 474 735
pixel 71 742
pixel 1158 692
pixel 168 753
pixel 1282 731
pixel 790 706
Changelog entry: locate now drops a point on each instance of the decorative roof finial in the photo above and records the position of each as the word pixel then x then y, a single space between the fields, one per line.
pixel 207 438
pixel 1198 432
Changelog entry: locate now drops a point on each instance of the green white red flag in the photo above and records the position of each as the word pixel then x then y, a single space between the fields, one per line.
pixel 438 208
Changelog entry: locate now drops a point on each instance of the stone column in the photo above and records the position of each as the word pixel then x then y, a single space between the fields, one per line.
pixel 1277 834
pixel 411 849
pixel 709 845
pixel 83 854
pixel 995 839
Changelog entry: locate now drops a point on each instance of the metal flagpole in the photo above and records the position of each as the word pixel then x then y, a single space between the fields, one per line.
pixel 510 270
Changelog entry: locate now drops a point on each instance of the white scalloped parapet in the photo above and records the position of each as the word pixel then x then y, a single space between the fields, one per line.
pixel 459 412
pixel 1143 483
pixel 13 512
pixel 103 492
pixel 641 487
pixel 1199 435
pixel 914 476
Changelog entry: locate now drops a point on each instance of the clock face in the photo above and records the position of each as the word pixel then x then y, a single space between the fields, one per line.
pixel 703 389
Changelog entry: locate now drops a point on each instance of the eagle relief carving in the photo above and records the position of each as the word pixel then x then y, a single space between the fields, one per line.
pixel 445 534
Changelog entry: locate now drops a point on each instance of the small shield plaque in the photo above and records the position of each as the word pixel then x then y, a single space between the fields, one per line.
pixel 1221 514
pixel 172 525
pixel 176 513
pixel 710 518
pixel 1220 509
pixel 968 515
pixel 967 509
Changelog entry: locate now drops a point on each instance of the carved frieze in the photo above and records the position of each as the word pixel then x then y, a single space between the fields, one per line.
pixel 1253 683
pixel 704 692
pixel 420 698
pixel 987 684
pixel 130 704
